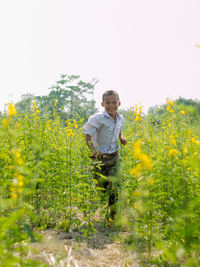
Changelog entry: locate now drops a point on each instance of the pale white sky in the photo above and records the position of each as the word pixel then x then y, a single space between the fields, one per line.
pixel 144 49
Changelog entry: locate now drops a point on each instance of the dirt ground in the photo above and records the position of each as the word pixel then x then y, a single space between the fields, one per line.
pixel 62 249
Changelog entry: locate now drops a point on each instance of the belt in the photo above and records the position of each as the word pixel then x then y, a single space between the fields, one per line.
pixel 109 156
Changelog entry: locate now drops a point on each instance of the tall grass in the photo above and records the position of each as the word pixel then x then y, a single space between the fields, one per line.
pixel 47 182
pixel 162 189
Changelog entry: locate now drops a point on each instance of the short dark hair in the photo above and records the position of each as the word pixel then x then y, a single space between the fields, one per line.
pixel 110 92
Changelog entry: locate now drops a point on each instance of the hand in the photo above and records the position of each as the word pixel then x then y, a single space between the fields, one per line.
pixel 98 154
pixel 123 141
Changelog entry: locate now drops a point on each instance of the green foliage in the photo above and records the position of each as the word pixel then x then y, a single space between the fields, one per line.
pixel 192 107
pixel 24 105
pixel 162 199
pixel 44 166
pixel 47 181
pixel 71 94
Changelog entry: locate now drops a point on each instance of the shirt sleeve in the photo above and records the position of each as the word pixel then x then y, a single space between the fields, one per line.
pixel 91 126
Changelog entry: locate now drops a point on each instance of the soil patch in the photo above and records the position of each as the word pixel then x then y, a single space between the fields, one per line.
pixel 105 249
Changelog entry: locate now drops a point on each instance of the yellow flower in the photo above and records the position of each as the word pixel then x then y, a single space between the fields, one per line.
pixel 182 112
pixel 11 109
pixel 195 141
pixel 19 177
pixel 172 140
pixel 137 170
pixel 55 102
pixel 37 111
pixel 12 189
pixel 137 113
pixel 17 154
pixel 138 118
pixel 172 152
pixel 20 183
pixel 19 161
pixel 14 195
pixel 5 122
pixel 69 132
pixel 110 220
pixel 169 105
pixel 169 102
pixel 137 146
pixel 75 124
pixel 146 161
pixel 34 104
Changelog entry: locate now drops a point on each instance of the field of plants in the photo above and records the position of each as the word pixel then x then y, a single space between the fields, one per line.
pixel 47 183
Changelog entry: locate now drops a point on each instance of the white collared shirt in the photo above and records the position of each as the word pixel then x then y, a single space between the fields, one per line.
pixel 104 131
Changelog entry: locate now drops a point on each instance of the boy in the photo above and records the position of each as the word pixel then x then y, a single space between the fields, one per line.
pixel 102 132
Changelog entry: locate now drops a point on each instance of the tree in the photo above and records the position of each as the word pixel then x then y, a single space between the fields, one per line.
pixel 71 95
pixel 24 105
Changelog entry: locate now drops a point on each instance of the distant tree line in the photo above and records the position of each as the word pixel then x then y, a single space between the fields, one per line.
pixel 74 99
pixel 190 106
pixel 69 94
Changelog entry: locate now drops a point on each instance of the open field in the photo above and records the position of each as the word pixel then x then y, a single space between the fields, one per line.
pixel 47 188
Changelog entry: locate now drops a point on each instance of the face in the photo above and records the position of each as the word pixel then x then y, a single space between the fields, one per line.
pixel 111 104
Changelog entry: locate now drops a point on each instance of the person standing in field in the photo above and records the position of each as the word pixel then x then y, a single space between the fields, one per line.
pixel 102 132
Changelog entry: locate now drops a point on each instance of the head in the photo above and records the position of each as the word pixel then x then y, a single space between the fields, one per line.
pixel 111 102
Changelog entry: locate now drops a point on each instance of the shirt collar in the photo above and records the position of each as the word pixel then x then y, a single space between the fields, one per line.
pixel 105 113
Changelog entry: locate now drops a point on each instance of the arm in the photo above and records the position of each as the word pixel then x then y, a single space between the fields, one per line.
pixel 122 139
pixel 95 153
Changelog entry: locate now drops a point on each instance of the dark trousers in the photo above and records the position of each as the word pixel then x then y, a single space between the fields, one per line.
pixel 108 167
